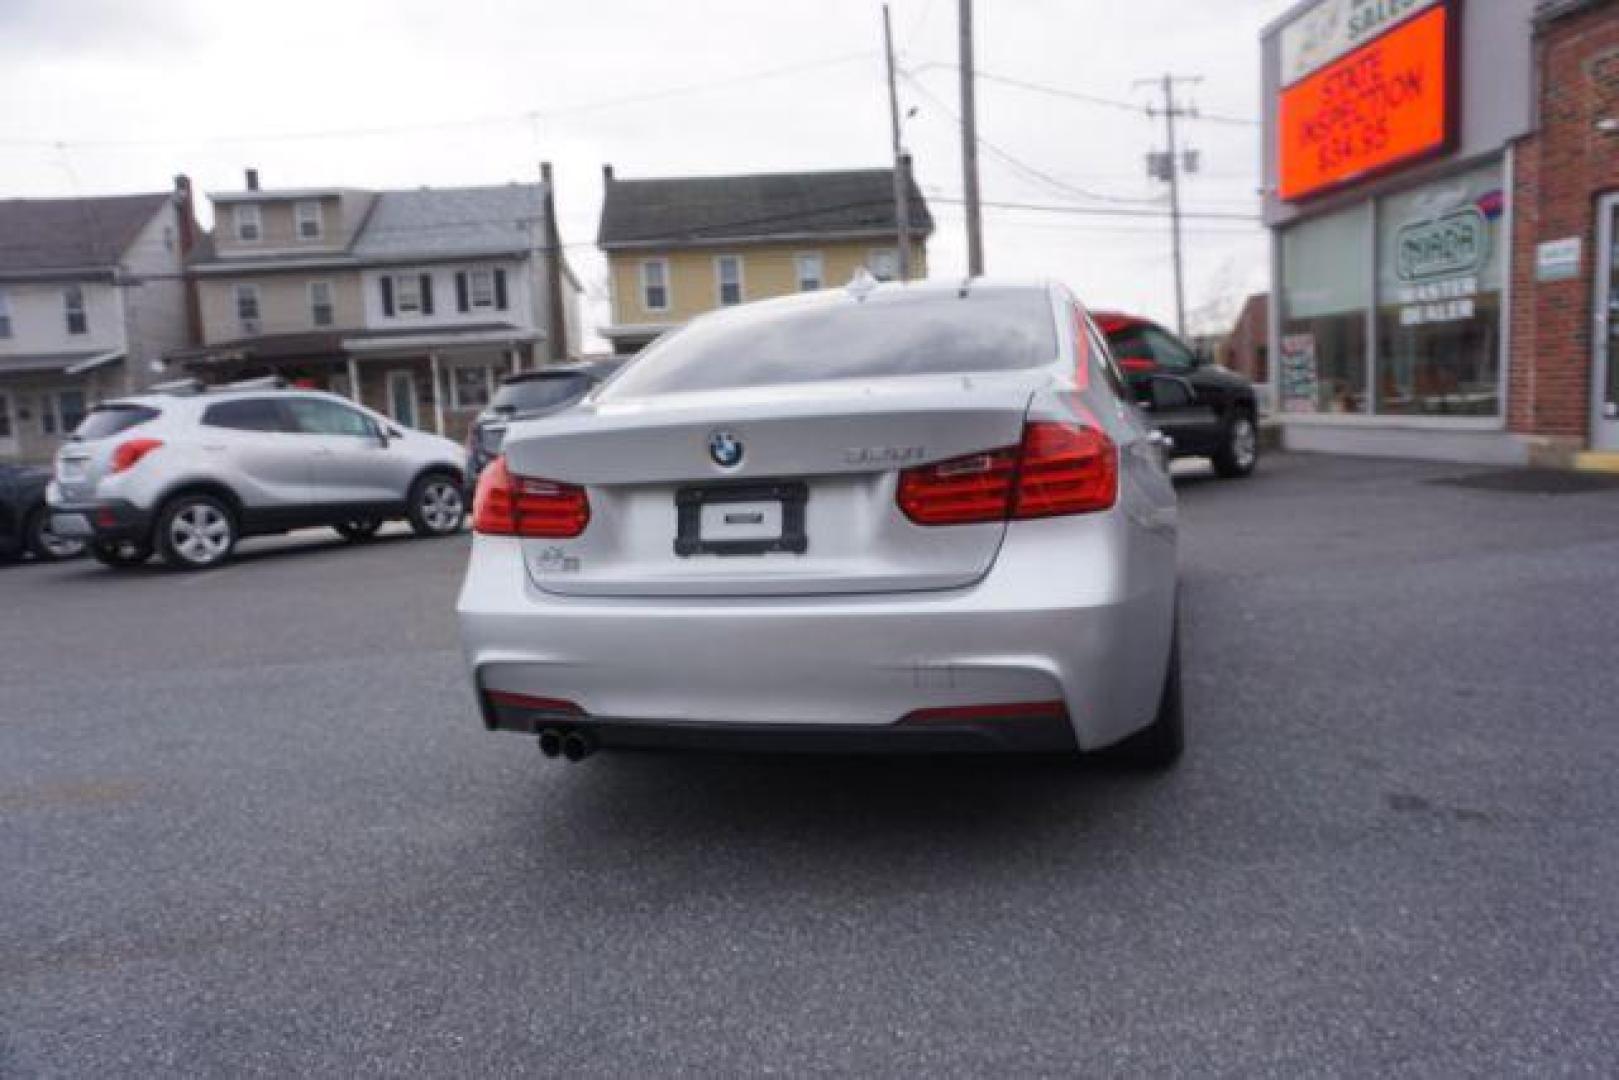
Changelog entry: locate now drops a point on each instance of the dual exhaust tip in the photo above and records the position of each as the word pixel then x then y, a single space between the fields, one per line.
pixel 575 746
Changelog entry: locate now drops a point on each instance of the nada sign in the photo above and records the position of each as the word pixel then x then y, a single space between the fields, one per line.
pixel 1385 103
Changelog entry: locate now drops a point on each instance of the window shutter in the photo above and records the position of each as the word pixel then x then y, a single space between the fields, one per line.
pixel 387 295
pixel 500 288
pixel 461 290
pixel 427 294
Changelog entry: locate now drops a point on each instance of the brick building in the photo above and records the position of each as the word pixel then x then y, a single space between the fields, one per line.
pixel 1441 184
pixel 1563 388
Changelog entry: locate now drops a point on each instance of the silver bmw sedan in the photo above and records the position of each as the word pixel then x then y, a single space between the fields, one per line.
pixel 887 517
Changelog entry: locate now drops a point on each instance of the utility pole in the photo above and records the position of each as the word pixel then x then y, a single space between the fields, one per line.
pixel 902 181
pixel 1167 166
pixel 969 145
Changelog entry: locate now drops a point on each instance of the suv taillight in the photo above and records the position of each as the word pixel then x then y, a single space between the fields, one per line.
pixel 510 505
pixel 1057 469
pixel 129 453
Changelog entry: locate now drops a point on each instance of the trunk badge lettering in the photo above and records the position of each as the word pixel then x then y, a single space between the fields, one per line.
pixel 883 455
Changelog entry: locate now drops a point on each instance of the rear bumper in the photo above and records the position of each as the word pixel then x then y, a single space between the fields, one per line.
pixel 1083 626
pixel 101 519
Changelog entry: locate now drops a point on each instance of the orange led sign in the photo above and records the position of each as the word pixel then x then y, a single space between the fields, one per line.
pixel 1385 103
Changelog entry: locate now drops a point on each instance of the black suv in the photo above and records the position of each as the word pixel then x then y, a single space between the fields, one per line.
pixel 25 520
pixel 525 396
pixel 1210 411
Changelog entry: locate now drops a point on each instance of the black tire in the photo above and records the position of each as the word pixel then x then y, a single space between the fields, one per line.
pixel 1239 446
pixel 46 545
pixel 358 532
pixel 1159 745
pixel 437 505
pixel 120 554
pixel 195 532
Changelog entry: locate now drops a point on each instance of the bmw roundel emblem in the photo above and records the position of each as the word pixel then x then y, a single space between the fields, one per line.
pixel 725 448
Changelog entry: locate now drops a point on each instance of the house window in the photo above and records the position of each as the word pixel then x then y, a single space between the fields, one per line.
pixel 5 316
pixel 811 272
pixel 248 226
pixel 5 417
pixel 308 217
pixel 320 303
pixel 728 273
pixel 407 294
pixel 73 305
pixel 481 288
pixel 884 264
pixel 471 387
pixel 247 307
pixel 60 412
pixel 655 285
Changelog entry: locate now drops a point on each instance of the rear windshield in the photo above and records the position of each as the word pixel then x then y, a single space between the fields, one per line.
pixel 887 334
pixel 540 393
pixel 104 421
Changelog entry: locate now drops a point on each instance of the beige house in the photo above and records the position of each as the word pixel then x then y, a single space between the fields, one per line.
pixel 677 247
pixel 415 302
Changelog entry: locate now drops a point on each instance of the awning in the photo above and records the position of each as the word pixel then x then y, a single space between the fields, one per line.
pixel 75 363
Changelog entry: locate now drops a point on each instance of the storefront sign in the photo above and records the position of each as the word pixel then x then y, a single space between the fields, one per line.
pixel 1457 243
pixel 1558 260
pixel 1335 27
pixel 1299 375
pixel 1385 103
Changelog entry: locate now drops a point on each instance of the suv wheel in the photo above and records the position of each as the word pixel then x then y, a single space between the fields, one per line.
pixel 358 531
pixel 195 532
pixel 120 554
pixel 1239 447
pixel 437 507
pixel 45 544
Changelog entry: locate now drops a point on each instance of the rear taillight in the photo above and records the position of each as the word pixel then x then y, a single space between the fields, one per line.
pixel 510 505
pixel 1057 469
pixel 129 453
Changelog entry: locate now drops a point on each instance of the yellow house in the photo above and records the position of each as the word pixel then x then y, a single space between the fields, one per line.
pixel 679 246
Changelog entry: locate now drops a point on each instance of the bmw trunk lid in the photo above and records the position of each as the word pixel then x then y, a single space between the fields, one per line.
pixel 779 490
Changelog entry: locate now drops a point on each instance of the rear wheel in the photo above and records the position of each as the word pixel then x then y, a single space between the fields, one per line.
pixel 120 554
pixel 45 544
pixel 1159 745
pixel 437 507
pixel 358 531
pixel 1239 446
pixel 195 532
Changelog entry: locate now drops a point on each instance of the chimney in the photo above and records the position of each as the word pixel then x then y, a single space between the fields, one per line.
pixel 556 323
pixel 252 179
pixel 607 174
pixel 185 216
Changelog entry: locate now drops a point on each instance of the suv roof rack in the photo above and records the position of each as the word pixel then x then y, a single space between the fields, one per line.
pixel 265 382
pixel 178 387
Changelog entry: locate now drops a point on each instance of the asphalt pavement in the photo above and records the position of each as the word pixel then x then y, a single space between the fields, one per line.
pixel 251 825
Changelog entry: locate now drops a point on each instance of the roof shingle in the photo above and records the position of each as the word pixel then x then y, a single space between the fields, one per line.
pixel 676 211
pixel 63 234
pixel 428 222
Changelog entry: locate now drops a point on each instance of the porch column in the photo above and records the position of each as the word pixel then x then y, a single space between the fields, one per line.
pixel 354 382
pixel 438 393
pixel 517 359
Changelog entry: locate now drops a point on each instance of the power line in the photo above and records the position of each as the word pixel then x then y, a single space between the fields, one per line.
pixel 1019 165
pixel 1089 99
pixel 1109 211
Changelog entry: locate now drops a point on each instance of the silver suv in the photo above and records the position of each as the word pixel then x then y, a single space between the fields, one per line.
pixel 188 472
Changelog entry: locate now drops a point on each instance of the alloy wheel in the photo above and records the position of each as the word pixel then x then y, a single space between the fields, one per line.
pixel 441 506
pixel 201 533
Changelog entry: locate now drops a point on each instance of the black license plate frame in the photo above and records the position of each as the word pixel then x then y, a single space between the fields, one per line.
pixel 793 495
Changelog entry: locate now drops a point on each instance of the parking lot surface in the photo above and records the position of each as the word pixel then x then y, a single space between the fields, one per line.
pixel 250 824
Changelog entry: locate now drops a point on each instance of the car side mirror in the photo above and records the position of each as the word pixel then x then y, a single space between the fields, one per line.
pixel 384 436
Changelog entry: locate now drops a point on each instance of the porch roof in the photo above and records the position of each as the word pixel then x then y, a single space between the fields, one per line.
pixel 70 363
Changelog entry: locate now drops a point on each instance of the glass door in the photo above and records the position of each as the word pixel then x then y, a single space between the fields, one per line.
pixel 1605 340
pixel 402 397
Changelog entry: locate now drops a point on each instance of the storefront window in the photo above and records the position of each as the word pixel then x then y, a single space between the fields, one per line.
pixel 1441 253
pixel 1326 285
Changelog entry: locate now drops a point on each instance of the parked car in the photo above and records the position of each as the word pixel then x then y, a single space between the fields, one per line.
pixel 1206 410
pixel 525 396
pixel 25 519
pixel 188 473
pixel 883 517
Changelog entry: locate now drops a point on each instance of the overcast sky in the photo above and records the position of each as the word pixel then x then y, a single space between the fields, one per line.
pixel 108 96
